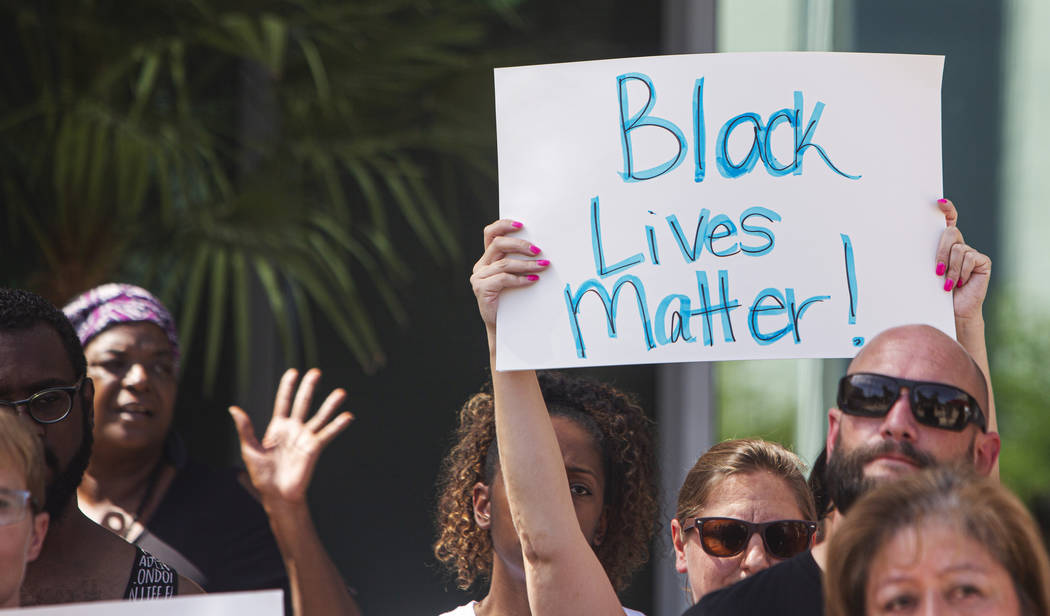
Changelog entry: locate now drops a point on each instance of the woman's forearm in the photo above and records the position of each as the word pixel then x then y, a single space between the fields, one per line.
pixel 317 588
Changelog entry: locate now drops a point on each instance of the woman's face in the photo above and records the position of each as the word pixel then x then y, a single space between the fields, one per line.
pixel 936 568
pixel 20 540
pixel 754 497
pixel 583 464
pixel 133 368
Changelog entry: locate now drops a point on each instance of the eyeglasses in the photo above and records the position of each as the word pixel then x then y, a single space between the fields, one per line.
pixel 725 537
pixel 933 404
pixel 13 505
pixel 47 406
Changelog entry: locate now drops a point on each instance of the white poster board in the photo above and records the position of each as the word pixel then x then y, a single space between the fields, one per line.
pixel 256 603
pixel 720 206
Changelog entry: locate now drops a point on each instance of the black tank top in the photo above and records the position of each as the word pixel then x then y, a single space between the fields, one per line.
pixel 150 579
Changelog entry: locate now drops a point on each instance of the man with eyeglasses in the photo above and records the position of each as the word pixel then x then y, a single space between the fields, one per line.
pixel 912 398
pixel 42 381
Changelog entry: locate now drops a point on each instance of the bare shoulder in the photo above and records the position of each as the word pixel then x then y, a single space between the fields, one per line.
pixel 83 562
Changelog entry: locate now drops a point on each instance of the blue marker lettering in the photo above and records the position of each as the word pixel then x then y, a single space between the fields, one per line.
pixel 802 139
pixel 773 166
pixel 691 252
pixel 851 278
pixel 643 118
pixel 727 167
pixel 650 236
pixel 728 229
pixel 723 308
pixel 679 326
pixel 609 303
pixel 599 253
pixel 758 308
pixel 758 211
pixel 699 132
pixel 784 302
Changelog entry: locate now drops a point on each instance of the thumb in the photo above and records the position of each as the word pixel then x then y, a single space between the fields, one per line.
pixel 245 429
pixel 951 215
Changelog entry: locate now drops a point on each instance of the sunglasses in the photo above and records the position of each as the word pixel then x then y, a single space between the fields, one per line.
pixel 933 404
pixel 725 537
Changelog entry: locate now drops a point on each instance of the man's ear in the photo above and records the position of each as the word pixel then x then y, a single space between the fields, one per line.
pixel 36 539
pixel 678 541
pixel 482 506
pixel 834 424
pixel 986 452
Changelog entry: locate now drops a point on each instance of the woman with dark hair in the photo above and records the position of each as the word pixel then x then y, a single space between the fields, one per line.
pixel 607 452
pixel 941 541
pixel 139 483
pixel 229 530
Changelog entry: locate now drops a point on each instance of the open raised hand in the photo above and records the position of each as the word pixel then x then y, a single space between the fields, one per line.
pixel 282 464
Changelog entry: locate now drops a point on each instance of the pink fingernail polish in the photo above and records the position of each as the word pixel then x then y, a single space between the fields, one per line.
pixel 942 201
pixel 543 262
pixel 941 269
pixel 533 277
pixel 949 284
pixel 516 224
pixel 535 250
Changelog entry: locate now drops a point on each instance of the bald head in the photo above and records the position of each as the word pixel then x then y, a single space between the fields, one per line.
pixel 922 353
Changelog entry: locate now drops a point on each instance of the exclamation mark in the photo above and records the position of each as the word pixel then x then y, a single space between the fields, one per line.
pixel 851 280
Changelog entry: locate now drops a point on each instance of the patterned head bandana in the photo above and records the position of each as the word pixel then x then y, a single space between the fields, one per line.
pixel 114 303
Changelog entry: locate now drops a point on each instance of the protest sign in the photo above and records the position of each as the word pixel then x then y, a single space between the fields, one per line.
pixel 720 206
pixel 256 603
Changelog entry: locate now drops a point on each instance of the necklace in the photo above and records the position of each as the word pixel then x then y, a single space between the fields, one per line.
pixel 117 521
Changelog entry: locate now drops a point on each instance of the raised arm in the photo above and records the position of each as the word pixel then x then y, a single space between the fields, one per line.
pixel 965 273
pixel 280 468
pixel 563 574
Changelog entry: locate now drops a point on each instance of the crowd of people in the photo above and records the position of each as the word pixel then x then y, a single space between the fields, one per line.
pixel 902 514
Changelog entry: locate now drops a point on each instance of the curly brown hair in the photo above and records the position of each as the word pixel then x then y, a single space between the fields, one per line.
pixel 624 436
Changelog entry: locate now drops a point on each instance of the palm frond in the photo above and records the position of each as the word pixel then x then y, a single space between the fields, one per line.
pixel 212 147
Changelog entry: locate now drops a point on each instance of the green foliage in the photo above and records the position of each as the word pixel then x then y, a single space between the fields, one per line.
pixel 205 148
pixel 1019 362
pixel 756 399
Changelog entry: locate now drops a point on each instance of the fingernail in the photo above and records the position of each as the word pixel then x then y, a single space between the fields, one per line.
pixel 543 262
pixel 948 284
pixel 942 201
pixel 941 269
pixel 516 224
pixel 535 250
pixel 533 277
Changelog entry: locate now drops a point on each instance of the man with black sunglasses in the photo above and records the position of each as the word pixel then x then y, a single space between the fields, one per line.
pixel 912 398
pixel 43 382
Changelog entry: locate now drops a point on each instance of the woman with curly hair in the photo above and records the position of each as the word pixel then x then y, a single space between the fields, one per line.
pixel 747 501
pixel 607 450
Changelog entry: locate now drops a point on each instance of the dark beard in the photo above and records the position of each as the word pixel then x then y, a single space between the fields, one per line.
pixel 845 480
pixel 64 484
